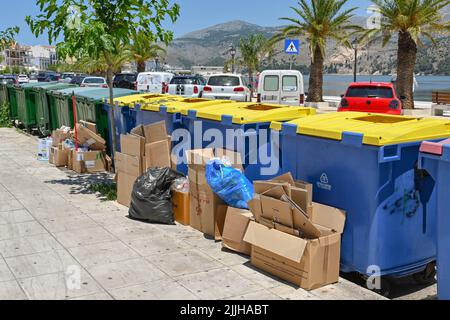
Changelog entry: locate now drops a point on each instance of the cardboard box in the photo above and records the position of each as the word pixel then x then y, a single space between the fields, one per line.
pixel 125 184
pixel 90 161
pixel 207 210
pixel 89 125
pixel 51 157
pixel 44 146
pixel 155 132
pixel 157 155
pixel 60 158
pixel 70 159
pixel 236 224
pixel 132 145
pixel 307 262
pixel 59 136
pixel 131 165
pixel 90 139
pixel 181 207
pixel 139 131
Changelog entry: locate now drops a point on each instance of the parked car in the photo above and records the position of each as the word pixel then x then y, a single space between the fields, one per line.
pixel 66 77
pixel 187 86
pixel 125 81
pixel 77 80
pixel 33 78
pixel 8 79
pixel 23 78
pixel 154 82
pixel 281 87
pixel 48 76
pixel 227 87
pixel 94 82
pixel 376 97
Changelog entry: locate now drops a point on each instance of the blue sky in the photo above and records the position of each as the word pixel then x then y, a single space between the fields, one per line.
pixel 195 14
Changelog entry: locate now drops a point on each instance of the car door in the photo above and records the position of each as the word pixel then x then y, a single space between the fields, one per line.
pixel 270 88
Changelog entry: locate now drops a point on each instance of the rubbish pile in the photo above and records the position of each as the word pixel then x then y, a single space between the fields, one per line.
pixel 82 149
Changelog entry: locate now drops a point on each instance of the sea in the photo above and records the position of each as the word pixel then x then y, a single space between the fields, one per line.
pixel 335 84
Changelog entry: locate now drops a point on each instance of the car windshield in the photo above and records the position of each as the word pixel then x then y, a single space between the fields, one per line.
pixel 224 81
pixel 150 79
pixel 77 79
pixel 94 80
pixel 370 92
pixel 183 81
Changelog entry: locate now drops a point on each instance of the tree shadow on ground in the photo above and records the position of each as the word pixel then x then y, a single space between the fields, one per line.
pixel 84 184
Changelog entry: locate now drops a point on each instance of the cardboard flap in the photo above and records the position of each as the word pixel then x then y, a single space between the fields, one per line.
pixel 234 157
pixel 302 222
pixel 261 187
pixel 280 243
pixel 287 177
pixel 155 132
pixel 328 217
pixel 277 210
pixel 276 192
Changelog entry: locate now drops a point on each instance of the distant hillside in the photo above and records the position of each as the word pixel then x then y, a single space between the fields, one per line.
pixel 209 47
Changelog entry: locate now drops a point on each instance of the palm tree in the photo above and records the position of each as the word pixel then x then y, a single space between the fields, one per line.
pixel 100 66
pixel 254 50
pixel 412 21
pixel 143 50
pixel 320 21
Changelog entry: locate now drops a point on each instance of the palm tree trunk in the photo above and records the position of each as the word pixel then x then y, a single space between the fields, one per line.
pixel 315 92
pixel 140 66
pixel 109 79
pixel 406 61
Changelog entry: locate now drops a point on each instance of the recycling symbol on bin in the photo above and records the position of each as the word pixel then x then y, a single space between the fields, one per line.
pixel 324 178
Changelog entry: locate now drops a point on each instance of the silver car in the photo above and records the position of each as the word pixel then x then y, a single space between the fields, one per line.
pixel 94 82
pixel 227 87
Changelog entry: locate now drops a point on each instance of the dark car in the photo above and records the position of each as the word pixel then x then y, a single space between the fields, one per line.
pixel 125 81
pixel 48 76
pixel 8 79
pixel 77 80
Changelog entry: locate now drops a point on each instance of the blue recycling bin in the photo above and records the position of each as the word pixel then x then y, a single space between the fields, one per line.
pixel 367 165
pixel 437 164
pixel 243 128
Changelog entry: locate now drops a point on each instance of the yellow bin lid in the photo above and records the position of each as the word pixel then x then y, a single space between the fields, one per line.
pixel 131 101
pixel 181 105
pixel 244 112
pixel 375 129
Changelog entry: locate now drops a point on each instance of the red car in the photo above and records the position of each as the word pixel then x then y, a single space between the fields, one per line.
pixel 374 97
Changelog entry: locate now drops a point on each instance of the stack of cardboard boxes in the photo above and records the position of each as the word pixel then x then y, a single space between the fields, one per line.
pixel 145 147
pixel 90 156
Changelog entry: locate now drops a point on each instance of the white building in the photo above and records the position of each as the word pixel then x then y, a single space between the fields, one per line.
pixel 206 70
pixel 42 57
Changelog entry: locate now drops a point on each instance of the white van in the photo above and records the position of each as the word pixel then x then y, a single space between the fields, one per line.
pixel 281 87
pixel 153 82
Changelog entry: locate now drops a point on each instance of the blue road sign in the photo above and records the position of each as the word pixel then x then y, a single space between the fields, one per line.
pixel 292 46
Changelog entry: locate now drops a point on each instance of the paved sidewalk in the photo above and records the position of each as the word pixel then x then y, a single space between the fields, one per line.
pixel 52 229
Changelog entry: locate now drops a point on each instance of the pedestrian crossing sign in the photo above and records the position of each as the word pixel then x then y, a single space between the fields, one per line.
pixel 292 46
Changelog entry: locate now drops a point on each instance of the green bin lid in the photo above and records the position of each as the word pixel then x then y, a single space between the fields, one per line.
pixel 102 94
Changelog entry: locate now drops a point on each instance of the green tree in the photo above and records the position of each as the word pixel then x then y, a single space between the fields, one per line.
pixel 143 50
pixel 412 21
pixel 89 65
pixel 7 37
pixel 99 28
pixel 320 21
pixel 254 50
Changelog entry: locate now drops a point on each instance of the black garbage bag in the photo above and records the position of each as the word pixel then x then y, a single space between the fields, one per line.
pixel 151 197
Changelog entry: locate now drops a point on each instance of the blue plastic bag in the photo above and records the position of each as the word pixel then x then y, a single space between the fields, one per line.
pixel 229 184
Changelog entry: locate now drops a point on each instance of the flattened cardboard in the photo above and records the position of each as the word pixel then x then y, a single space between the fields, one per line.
pixel 90 125
pixel 236 223
pixel 234 158
pixel 59 136
pixel 90 139
pixel 302 222
pixel 277 211
pixel 125 184
pixel 199 157
pixel 60 157
pixel 132 145
pixel 157 155
pixel 128 164
pixel 287 177
pixel 328 217
pixel 155 132
pixel 264 186
pixel 139 131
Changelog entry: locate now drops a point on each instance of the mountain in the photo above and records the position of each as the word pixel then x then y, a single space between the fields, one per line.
pixel 210 46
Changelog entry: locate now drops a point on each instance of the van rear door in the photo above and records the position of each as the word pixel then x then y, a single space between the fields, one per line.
pixel 291 89
pixel 270 88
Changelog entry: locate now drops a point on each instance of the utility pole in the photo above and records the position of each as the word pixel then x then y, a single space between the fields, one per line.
pixel 233 56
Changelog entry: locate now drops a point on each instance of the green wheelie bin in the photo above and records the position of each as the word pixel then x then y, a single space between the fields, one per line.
pixel 61 107
pixel 12 99
pixel 44 116
pixel 3 94
pixel 91 107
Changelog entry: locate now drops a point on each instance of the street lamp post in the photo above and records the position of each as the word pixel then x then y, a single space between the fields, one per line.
pixel 233 56
pixel 355 68
pixel 156 64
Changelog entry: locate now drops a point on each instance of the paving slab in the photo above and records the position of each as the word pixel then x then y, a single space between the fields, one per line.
pixel 53 228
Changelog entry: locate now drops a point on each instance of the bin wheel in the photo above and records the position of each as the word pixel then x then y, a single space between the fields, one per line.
pixel 427 276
